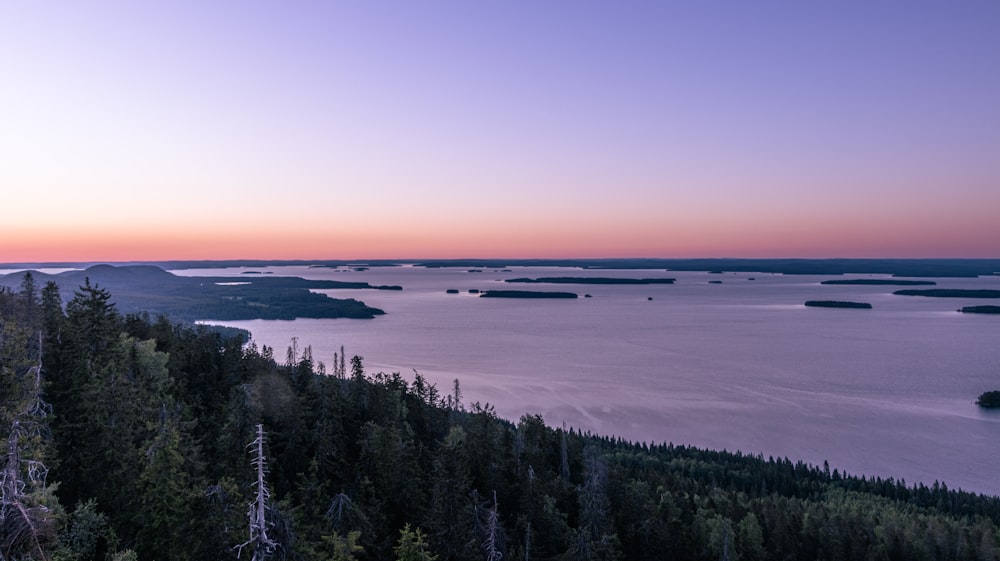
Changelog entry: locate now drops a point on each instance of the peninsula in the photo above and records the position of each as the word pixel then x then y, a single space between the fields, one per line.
pixel 980 310
pixel 145 288
pixel 880 282
pixel 951 293
pixel 989 400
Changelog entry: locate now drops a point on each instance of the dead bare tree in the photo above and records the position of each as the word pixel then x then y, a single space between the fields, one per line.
pixel 494 541
pixel 27 524
pixel 262 545
pixel 527 543
pixel 487 524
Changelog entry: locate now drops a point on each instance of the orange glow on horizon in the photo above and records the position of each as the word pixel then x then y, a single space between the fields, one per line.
pixel 747 240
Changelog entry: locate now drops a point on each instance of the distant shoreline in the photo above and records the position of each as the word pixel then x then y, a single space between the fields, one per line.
pixel 589 280
pixel 931 267
pixel 879 282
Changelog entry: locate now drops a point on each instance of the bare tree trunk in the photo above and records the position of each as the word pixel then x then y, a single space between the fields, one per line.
pixel 527 542
pixel 26 525
pixel 262 545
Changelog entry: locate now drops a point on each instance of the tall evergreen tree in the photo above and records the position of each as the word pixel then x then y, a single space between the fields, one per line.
pixel 88 335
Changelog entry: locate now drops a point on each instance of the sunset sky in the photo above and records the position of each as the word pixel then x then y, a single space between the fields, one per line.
pixel 545 128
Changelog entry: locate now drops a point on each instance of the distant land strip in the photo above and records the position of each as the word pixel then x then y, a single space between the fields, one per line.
pixel 895 267
pixel 980 310
pixel 837 304
pixel 880 282
pixel 951 293
pixel 525 294
pixel 592 280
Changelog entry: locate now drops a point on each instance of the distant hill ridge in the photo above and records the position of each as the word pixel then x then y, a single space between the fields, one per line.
pixel 931 267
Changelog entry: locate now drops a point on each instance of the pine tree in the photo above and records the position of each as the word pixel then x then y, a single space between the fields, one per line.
pixel 88 337
pixel 411 546
pixel 165 494
pixel 450 486
pixel 342 548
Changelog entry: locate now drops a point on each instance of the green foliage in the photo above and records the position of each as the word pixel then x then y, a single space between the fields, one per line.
pixel 150 422
pixel 339 548
pixel 165 494
pixel 88 535
pixel 411 546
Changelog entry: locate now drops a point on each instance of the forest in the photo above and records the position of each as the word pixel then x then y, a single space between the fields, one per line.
pixel 139 288
pixel 129 437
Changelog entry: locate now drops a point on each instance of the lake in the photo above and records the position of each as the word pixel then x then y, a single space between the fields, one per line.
pixel 738 365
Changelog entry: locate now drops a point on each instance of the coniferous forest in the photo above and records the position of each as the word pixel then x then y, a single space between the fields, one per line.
pixel 127 437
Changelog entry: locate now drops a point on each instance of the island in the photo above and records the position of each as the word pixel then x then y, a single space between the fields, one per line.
pixel 980 310
pixel 989 400
pixel 837 304
pixel 591 280
pixel 951 293
pixel 525 294
pixel 881 282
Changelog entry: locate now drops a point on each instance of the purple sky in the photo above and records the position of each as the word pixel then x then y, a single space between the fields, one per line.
pixel 136 130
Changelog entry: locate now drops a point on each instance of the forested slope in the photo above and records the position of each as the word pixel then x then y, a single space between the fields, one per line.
pixel 126 437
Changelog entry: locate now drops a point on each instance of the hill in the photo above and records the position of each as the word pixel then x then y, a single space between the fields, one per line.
pixel 151 289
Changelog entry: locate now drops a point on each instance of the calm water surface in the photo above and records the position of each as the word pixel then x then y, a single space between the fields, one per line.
pixel 737 365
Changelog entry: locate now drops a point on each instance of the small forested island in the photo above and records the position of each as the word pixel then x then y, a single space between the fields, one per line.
pixel 980 310
pixel 132 438
pixel 880 282
pixel 951 293
pixel 525 294
pixel 592 280
pixel 989 400
pixel 837 304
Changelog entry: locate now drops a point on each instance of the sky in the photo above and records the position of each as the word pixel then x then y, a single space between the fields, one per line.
pixel 350 129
